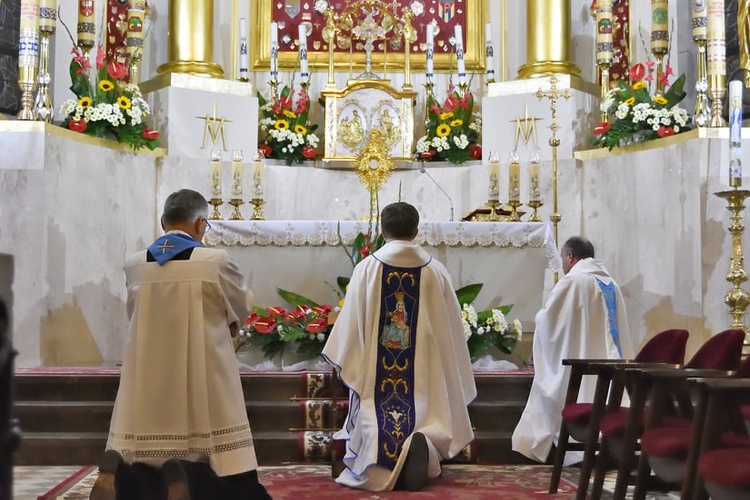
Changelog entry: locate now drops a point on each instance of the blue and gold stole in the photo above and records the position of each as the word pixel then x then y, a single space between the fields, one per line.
pixel 170 245
pixel 394 382
pixel 610 300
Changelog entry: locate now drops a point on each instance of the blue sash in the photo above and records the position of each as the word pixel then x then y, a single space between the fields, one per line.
pixel 610 300
pixel 394 383
pixel 166 247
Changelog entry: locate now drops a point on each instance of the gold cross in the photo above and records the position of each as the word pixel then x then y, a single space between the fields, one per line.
pixel 164 246
pixel 553 95
pixel 214 127
pixel 523 128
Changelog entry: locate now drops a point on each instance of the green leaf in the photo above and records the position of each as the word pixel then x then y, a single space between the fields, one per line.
pixel 467 294
pixel 295 299
pixel 343 282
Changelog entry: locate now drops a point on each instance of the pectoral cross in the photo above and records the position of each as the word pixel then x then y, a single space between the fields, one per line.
pixel 164 246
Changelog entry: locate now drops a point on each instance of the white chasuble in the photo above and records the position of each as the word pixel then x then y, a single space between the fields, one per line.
pixel 399 347
pixel 180 393
pixel 584 318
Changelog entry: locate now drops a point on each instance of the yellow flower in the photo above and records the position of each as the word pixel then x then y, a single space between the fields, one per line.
pixel 630 101
pixel 281 125
pixel 457 122
pixel 639 85
pixel 443 130
pixel 446 115
pixel 84 102
pixel 300 129
pixel 289 114
pixel 124 102
pixel 106 85
pixel 341 303
pixel 660 100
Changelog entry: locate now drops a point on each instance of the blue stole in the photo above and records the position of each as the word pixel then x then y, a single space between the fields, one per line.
pixel 610 300
pixel 166 247
pixel 394 381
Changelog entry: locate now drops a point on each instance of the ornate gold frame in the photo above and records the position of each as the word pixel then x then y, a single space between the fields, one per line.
pixel 476 15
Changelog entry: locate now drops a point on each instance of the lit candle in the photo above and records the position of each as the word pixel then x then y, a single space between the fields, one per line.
pixel 136 16
pixel 244 70
pixel 430 50
pixel 304 75
pixel 489 52
pixel 236 172
pixel 605 52
pixel 258 191
pixel 86 27
pixel 458 34
pixel 494 171
pixel 735 133
pixel 28 40
pixel 48 15
pixel 514 175
pixel 215 179
pixel 659 28
pixel 274 51
pixel 534 193
pixel 716 53
pixel 700 20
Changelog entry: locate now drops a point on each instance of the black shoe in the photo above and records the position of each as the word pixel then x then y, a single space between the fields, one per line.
pixel 176 480
pixel 414 473
pixel 104 487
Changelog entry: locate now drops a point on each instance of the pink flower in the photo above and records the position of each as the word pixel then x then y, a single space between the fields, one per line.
pixel 116 70
pixel 99 58
pixel 83 62
pixel 664 80
pixel 435 109
pixel 451 103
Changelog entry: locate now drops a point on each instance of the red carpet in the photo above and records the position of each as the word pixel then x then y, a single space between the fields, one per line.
pixel 313 482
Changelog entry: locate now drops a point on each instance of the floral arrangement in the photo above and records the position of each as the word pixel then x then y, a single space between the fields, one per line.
pixel 486 328
pixel 108 107
pixel 452 129
pixel 288 134
pixel 636 116
pixel 273 328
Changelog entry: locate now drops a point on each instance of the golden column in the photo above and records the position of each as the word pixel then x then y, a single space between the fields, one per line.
pixel 190 46
pixel 548 39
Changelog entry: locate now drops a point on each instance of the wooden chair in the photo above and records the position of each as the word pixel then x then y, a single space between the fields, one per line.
pixel 581 420
pixel 622 428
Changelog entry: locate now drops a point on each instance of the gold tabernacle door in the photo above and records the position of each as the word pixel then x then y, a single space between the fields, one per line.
pixel 363 106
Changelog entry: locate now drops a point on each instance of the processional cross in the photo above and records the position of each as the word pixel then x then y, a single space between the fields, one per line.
pixel 369 31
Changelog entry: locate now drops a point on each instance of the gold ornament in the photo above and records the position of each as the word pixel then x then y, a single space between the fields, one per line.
pixel 373 164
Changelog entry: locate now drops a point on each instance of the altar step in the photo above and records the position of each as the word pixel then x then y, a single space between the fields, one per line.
pixel 65 418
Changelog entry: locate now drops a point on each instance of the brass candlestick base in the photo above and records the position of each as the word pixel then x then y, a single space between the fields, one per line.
pixel 216 202
pixel 736 298
pixel 514 217
pixel 236 214
pixel 534 214
pixel 43 109
pixel 27 83
pixel 257 209
pixel 494 206
pixel 659 71
pixel 604 71
pixel 702 109
pixel 717 88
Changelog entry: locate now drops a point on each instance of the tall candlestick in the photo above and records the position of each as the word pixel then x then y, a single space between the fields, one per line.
pixel 43 108
pixel 86 26
pixel 494 172
pixel 236 172
pixel 258 181
pixel 28 56
pixel 244 65
pixel 458 34
pixel 215 180
pixel 430 50
pixel 735 133
pixel 700 20
pixel 534 192
pixel 605 52
pixel 514 179
pixel 489 53
pixel 304 75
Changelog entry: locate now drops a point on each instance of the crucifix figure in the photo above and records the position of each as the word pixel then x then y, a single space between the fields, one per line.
pixel 369 30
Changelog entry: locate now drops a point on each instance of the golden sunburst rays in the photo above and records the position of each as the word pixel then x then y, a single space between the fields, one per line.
pixel 373 164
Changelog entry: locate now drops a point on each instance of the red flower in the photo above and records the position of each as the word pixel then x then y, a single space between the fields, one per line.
pixel 664 79
pixel 364 251
pixel 291 317
pixel 77 125
pixel 322 310
pixel 252 318
pixel 309 152
pixel 317 325
pixel 286 102
pixel 150 134
pixel 602 128
pixel 303 309
pixel 436 109
pixel 265 149
pixel 451 103
pixel 100 58
pixel 276 311
pixel 265 324
pixel 83 62
pixel 116 70
pixel 475 151
pixel 428 154
pixel 665 131
pixel 637 72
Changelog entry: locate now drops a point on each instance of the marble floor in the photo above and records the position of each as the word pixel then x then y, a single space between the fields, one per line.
pixel 31 482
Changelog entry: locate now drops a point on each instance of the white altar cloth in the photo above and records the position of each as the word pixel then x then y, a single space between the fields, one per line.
pixel 302 256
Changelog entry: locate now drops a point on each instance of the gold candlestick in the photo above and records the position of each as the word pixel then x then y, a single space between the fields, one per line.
pixel 236 214
pixel 257 209
pixel 28 57
pixel 702 110
pixel 514 217
pixel 216 202
pixel 604 71
pixel 534 214
pixel 717 90
pixel 736 298
pixel 43 108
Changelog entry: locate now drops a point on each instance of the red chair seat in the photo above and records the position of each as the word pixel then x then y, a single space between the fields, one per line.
pixel 577 412
pixel 615 423
pixel 726 467
pixel 674 441
pixel 745 409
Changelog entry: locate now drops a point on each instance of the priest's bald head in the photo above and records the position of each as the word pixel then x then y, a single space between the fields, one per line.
pixel 575 249
pixel 399 221
pixel 186 210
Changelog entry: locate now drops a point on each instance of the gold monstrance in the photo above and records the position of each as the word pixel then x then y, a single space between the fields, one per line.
pixel 374 166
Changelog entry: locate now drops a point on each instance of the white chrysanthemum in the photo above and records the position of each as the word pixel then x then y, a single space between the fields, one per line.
pixel 518 327
pixel 470 314
pixel 68 107
pixel 312 140
pixel 480 330
pixel 423 144
pixel 467 327
pixel 498 319
pixel 461 141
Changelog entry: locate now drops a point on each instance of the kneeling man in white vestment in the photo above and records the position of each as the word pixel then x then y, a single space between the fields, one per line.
pixel 399 347
pixel 180 399
pixel 584 318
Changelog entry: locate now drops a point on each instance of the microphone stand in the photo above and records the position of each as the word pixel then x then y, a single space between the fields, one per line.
pixel 424 171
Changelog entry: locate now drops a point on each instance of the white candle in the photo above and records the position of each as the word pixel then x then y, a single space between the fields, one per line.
pixel 274 50
pixel 716 44
pixel 430 50
pixel 489 52
pixel 303 52
pixel 86 27
pixel 244 71
pixel 48 15
pixel 458 34
pixel 494 171
pixel 514 174
pixel 236 171
pixel 215 180
pixel 258 190
pixel 534 193
pixel 700 20
pixel 735 133
pixel 28 40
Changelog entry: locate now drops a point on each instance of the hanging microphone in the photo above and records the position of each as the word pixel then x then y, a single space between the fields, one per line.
pixel 424 171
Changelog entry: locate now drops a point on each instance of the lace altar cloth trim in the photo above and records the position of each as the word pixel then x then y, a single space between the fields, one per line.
pixel 321 233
